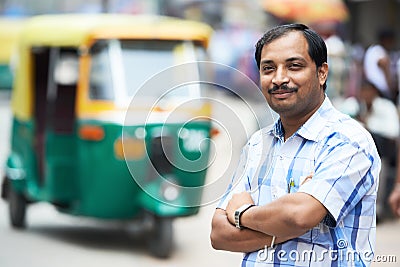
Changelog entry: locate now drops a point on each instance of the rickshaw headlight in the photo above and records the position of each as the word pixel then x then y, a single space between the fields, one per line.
pixel 170 190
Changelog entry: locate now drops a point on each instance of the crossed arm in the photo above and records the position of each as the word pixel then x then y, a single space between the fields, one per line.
pixel 285 218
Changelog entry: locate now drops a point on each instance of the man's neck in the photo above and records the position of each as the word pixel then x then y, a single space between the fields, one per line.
pixel 291 126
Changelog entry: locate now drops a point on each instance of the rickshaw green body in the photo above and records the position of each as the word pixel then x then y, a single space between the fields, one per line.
pixel 82 170
pixel 86 178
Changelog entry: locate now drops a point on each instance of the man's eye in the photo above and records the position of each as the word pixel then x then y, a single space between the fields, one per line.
pixel 267 68
pixel 295 66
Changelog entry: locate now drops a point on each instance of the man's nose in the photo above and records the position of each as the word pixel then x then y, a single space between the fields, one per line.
pixel 280 77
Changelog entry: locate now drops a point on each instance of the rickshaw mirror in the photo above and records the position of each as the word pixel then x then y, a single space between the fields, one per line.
pixel 66 70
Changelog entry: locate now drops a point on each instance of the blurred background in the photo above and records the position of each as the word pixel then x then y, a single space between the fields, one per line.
pixel 351 28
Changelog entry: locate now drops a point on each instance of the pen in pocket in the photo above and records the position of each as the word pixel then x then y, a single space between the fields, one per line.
pixel 290 185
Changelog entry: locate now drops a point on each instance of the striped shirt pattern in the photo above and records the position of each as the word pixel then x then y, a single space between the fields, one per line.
pixel 342 157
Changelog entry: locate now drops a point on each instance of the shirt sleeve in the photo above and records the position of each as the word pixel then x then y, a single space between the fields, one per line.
pixel 345 174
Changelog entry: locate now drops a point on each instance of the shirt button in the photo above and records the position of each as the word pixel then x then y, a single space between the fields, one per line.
pixel 281 157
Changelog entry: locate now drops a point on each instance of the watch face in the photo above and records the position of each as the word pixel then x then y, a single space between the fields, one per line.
pixel 237 215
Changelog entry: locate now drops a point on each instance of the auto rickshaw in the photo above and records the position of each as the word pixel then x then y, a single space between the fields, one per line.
pixel 78 139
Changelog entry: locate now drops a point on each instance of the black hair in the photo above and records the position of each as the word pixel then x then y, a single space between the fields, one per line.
pixel 385 33
pixel 316 45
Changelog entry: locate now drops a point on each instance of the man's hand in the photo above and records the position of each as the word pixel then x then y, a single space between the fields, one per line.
pixel 236 202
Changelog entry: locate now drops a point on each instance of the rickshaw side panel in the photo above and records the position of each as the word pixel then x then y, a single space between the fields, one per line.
pixel 106 187
pixel 59 184
pixel 22 168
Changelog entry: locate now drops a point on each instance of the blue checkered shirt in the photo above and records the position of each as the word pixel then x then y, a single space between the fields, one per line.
pixel 345 165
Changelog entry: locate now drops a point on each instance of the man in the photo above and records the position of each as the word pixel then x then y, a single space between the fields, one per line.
pixel 312 176
pixel 377 64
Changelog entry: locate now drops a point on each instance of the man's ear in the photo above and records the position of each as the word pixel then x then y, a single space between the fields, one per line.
pixel 323 73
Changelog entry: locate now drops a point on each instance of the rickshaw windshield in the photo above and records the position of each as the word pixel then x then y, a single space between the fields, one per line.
pixel 120 67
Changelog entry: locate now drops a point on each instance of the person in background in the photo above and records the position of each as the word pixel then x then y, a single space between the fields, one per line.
pixel 380 117
pixel 307 183
pixel 377 64
pixel 378 114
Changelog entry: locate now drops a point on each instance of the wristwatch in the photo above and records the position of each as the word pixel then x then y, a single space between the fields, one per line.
pixel 239 213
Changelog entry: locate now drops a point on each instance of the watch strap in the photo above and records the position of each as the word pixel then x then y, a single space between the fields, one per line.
pixel 239 212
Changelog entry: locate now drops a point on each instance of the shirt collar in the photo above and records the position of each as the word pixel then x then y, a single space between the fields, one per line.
pixel 312 127
pixel 277 129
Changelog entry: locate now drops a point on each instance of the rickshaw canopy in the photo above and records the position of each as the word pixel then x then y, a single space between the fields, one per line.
pixel 81 30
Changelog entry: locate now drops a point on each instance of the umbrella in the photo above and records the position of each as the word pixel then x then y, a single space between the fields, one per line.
pixel 307 11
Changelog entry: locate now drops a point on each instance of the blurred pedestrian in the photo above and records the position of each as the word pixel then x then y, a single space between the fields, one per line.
pixel 377 64
pixel 378 114
pixel 269 211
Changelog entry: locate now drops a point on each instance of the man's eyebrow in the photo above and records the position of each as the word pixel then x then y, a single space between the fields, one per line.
pixel 291 59
pixel 266 61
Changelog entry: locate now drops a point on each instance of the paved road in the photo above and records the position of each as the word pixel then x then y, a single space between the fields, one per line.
pixel 54 239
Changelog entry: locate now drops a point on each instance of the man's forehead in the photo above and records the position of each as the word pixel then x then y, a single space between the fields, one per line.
pixel 291 38
pixel 288 46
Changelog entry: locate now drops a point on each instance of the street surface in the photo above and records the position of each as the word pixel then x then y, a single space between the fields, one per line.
pixel 53 239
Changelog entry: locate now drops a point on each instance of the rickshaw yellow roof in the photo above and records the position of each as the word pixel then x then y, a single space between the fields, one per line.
pixel 76 29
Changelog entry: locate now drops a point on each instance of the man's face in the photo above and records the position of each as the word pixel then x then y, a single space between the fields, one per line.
pixel 287 66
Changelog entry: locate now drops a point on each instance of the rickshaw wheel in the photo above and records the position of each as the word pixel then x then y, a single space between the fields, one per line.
pixel 160 242
pixel 17 208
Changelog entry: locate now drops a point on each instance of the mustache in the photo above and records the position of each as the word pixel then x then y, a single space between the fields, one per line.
pixel 283 87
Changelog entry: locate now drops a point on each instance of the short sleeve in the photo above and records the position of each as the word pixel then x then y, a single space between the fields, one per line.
pixel 344 175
